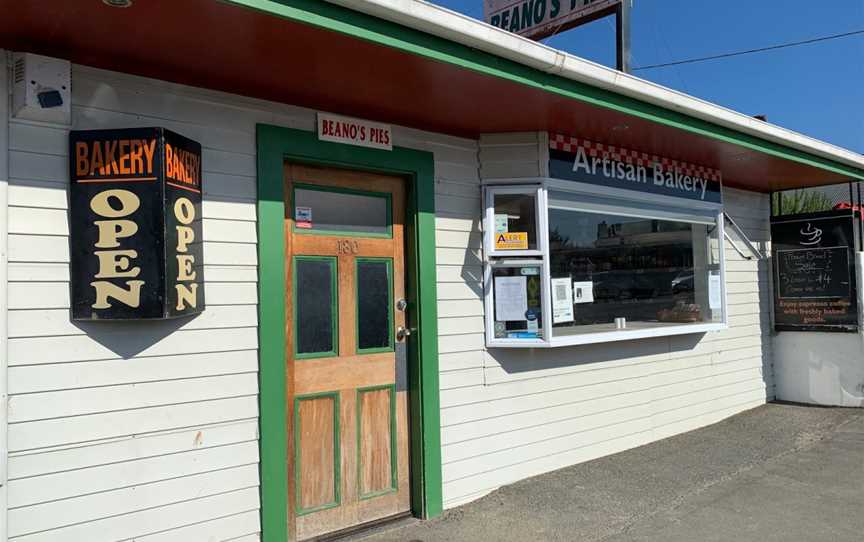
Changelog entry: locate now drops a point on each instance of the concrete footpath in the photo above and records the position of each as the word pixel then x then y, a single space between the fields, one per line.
pixel 778 472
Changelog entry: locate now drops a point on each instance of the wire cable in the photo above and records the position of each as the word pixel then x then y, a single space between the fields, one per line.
pixel 749 51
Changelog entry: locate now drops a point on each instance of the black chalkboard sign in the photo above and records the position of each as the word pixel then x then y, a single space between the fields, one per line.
pixel 814 272
pixel 807 273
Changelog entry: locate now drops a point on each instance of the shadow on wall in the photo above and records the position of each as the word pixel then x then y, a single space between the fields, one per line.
pixel 519 360
pixel 472 265
pixel 128 338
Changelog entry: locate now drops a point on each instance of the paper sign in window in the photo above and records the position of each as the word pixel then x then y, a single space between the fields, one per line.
pixel 714 292
pixel 562 300
pixel 515 240
pixel 583 292
pixel 303 217
pixel 511 299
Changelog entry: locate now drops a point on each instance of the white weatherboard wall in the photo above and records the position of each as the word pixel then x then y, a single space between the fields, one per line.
pixel 122 430
pixel 149 430
pixel 512 413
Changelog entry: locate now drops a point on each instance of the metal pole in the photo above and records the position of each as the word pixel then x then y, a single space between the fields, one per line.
pixel 860 222
pixel 622 28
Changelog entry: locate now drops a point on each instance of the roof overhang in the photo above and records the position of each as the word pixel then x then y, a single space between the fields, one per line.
pixel 468 79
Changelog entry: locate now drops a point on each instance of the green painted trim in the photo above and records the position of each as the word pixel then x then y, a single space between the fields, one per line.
pixel 337 453
pixel 338 189
pixel 334 306
pixel 390 319
pixel 272 426
pixel 275 146
pixel 368 28
pixel 394 463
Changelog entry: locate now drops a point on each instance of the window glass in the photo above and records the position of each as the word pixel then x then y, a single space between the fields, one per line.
pixel 314 306
pixel 517 302
pixel 374 303
pixel 515 222
pixel 330 210
pixel 612 272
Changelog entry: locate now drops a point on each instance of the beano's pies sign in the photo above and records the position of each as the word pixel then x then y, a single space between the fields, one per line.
pixel 541 18
pixel 581 160
pixel 135 224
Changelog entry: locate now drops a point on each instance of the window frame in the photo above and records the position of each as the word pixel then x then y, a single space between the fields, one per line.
pixel 665 208
pixel 386 196
pixel 489 216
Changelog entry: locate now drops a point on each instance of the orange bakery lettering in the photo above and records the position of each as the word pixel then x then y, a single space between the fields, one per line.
pixel 182 166
pixel 113 157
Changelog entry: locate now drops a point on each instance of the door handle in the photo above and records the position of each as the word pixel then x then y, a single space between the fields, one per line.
pixel 403 332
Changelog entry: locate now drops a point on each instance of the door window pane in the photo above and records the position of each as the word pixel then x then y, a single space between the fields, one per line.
pixel 314 306
pixel 632 273
pixel 374 304
pixel 318 209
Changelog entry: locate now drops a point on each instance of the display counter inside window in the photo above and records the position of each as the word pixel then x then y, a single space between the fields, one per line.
pixel 611 272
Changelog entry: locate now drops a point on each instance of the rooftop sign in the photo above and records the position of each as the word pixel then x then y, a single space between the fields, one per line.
pixel 541 18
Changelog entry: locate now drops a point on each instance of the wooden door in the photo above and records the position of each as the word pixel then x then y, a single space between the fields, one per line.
pixel 348 462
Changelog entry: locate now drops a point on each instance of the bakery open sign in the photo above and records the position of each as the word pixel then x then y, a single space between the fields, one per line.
pixel 353 131
pixel 135 224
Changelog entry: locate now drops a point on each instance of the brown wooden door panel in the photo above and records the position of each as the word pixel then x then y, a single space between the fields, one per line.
pixel 348 462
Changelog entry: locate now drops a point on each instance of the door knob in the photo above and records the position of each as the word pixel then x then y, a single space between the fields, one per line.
pixel 402 332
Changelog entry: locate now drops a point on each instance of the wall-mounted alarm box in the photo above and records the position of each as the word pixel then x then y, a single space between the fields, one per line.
pixel 42 88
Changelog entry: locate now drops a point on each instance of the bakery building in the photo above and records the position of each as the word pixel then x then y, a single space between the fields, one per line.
pixel 317 265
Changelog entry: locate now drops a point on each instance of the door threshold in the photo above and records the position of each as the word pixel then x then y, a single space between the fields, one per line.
pixel 358 532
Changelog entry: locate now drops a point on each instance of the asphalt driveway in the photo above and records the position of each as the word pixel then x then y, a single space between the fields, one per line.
pixel 775 473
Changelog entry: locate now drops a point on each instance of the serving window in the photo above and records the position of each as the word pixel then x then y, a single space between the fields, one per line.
pixel 610 265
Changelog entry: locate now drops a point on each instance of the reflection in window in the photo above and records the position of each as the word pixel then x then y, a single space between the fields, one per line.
pixel 374 286
pixel 516 214
pixel 632 273
pixel 315 305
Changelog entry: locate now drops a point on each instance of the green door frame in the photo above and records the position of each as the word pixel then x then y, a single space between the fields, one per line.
pixel 275 146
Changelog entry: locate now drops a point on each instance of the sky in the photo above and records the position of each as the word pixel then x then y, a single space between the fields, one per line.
pixel 815 89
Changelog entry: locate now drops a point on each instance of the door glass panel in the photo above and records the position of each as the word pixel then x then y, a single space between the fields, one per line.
pixel 315 306
pixel 374 302
pixel 341 211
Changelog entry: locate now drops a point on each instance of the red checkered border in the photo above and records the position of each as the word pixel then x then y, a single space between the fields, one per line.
pixel 635 158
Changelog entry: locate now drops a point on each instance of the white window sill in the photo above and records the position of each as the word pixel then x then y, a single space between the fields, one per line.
pixel 607 336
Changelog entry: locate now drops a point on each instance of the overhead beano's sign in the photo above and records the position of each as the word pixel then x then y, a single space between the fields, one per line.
pixel 586 161
pixel 540 18
pixel 135 224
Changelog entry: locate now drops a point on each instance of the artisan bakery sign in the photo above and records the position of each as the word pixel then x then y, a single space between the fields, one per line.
pixel 540 18
pixel 587 161
pixel 362 133
pixel 135 224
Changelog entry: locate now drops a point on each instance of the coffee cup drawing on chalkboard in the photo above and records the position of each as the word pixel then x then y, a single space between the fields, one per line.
pixel 812 236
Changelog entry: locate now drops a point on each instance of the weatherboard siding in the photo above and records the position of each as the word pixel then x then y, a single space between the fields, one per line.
pixel 149 430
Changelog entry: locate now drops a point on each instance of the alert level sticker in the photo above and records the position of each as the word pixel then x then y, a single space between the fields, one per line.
pixel 514 240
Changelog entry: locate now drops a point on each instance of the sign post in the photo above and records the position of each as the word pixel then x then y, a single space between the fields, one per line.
pixel 538 19
pixel 135 224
